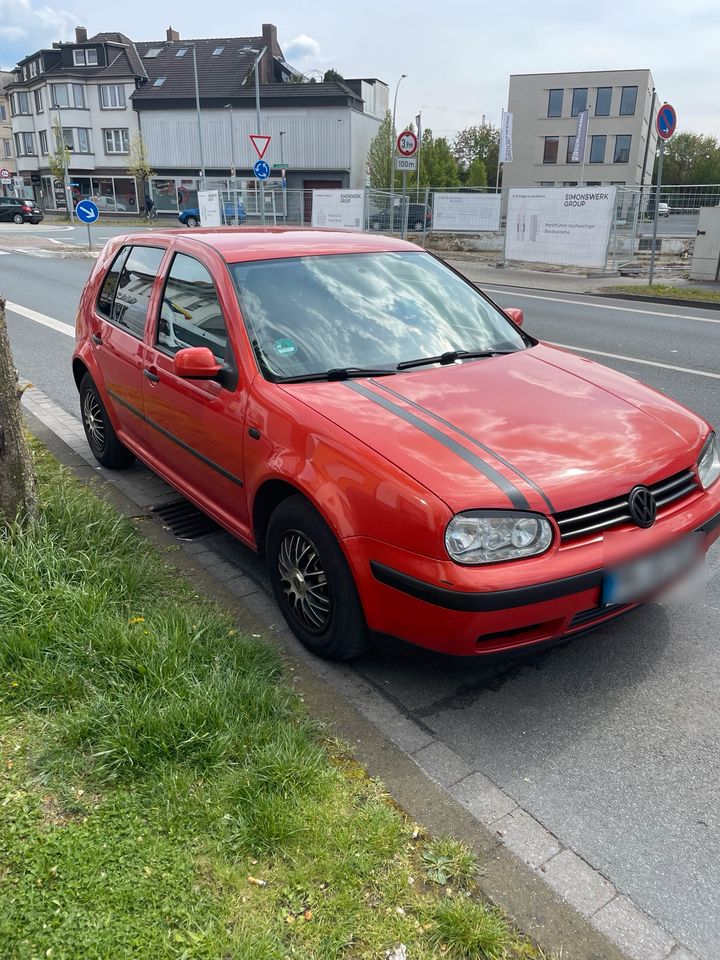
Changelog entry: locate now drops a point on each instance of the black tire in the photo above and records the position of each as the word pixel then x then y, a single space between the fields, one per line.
pixel 330 621
pixel 18 218
pixel 101 437
pixel 192 222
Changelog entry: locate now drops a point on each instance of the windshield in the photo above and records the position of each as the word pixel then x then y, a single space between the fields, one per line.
pixel 311 314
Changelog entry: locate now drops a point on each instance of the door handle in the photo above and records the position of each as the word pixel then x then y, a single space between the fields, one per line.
pixel 152 377
pixel 96 339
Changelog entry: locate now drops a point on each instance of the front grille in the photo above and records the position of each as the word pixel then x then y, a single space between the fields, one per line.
pixel 597 613
pixel 611 513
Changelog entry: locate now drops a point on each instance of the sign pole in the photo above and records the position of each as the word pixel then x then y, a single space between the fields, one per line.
pixel 403 232
pixel 657 206
pixel 89 239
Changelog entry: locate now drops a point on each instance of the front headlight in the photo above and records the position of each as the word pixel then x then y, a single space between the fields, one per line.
pixel 491 536
pixel 708 465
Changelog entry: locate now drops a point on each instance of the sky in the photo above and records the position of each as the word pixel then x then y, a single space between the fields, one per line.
pixel 457 55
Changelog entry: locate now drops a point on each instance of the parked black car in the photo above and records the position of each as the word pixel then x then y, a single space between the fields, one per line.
pixel 19 211
pixel 419 217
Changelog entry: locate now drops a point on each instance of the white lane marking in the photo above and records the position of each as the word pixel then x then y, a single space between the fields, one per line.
pixel 647 363
pixel 70 332
pixel 599 306
pixel 42 318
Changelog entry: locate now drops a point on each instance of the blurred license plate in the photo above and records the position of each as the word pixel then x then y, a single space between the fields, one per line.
pixel 645 576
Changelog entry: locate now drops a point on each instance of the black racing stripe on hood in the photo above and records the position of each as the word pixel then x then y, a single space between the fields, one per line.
pixel 514 495
pixel 470 438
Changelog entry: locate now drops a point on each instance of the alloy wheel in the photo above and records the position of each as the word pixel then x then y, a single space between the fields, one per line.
pixel 303 581
pixel 93 421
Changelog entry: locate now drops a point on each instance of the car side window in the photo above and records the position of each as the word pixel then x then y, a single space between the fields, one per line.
pixel 134 286
pixel 190 313
pixel 110 283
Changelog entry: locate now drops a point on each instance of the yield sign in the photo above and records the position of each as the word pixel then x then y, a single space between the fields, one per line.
pixel 260 143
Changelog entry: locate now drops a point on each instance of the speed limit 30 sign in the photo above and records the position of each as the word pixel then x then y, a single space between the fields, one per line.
pixel 407 143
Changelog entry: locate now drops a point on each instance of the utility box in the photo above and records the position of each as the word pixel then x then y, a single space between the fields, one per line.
pixel 706 257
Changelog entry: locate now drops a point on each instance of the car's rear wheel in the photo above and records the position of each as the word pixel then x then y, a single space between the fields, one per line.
pixel 313 584
pixel 375 225
pixel 18 218
pixel 192 222
pixel 419 224
pixel 101 437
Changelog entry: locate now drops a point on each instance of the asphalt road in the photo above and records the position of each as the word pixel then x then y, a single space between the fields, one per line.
pixel 611 741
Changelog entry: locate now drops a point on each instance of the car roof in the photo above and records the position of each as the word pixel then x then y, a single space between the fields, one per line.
pixel 238 244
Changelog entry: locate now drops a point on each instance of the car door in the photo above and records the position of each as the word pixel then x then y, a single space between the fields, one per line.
pixel 198 424
pixel 7 208
pixel 118 334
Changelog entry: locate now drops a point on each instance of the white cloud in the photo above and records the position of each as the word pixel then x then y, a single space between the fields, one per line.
pixel 13 33
pixel 27 26
pixel 302 48
pixel 58 22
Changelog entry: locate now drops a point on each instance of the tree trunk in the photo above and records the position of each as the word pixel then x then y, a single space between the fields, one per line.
pixel 17 478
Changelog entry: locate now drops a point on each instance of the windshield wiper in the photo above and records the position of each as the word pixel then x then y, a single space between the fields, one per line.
pixel 337 373
pixel 451 357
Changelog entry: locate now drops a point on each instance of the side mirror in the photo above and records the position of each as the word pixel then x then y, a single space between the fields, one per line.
pixel 515 314
pixel 197 363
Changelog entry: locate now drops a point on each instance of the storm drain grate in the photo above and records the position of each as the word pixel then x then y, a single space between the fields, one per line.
pixel 185 520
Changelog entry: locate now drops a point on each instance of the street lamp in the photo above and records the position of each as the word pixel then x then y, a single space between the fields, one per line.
pixel 282 152
pixel 199 121
pixel 392 155
pixel 233 169
pixel 258 57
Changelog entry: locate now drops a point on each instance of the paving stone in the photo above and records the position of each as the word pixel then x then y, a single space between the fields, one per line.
pixel 442 763
pixel 241 586
pixel 577 882
pixel 522 834
pixel 632 930
pixel 482 798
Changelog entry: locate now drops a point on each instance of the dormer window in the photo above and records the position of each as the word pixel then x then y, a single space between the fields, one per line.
pixel 85 58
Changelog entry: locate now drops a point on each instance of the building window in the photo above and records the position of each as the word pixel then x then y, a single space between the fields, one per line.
pixel 597 148
pixel 603 100
pixel 152 52
pixel 570 183
pixel 570 148
pixel 550 152
pixel 547 183
pixel 217 51
pixel 33 69
pixel 628 100
pixel 82 139
pixel 159 82
pixel 181 52
pixel 43 143
pixel 117 141
pixel 68 95
pixel 555 103
pixel 39 105
pixel 24 145
pixel 7 148
pixel 622 148
pixel 112 96
pixel 3 113
pixel 20 104
pixel 85 58
pixel 579 101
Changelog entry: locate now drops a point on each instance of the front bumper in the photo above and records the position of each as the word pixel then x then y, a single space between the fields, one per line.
pixel 432 603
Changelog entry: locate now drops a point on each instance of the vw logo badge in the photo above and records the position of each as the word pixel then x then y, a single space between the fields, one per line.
pixel 643 508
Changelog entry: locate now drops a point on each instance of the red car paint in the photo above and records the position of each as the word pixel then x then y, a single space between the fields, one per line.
pixel 560 431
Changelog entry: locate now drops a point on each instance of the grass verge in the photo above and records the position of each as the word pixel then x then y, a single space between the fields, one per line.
pixel 665 290
pixel 164 795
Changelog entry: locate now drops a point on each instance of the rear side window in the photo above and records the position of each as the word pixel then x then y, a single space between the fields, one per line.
pixel 134 286
pixel 190 314
pixel 107 291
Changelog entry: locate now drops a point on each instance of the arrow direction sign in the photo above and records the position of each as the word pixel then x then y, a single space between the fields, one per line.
pixel 260 143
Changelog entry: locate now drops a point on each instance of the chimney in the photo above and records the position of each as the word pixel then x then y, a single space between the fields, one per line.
pixel 267 64
pixel 80 34
pixel 172 34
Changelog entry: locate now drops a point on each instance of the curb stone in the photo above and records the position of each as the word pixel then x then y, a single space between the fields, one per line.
pixel 554 896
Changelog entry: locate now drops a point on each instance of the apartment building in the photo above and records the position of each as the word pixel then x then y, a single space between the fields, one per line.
pixel 621 136
pixel 7 160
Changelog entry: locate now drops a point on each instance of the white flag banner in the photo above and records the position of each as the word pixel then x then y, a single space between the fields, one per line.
pixel 578 151
pixel 506 151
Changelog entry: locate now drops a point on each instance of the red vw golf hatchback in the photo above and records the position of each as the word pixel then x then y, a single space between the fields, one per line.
pixel 407 459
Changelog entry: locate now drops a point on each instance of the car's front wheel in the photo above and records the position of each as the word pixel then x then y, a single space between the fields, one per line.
pixel 312 582
pixel 192 222
pixel 18 218
pixel 101 437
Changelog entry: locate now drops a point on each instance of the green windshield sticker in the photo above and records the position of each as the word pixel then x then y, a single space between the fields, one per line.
pixel 285 348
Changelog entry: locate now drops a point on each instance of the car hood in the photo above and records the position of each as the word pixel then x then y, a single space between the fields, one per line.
pixel 542 429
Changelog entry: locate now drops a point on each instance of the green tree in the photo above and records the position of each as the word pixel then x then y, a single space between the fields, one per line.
pixel 479 142
pixel 139 166
pixel 59 160
pixel 476 174
pixel 438 166
pixel 691 158
pixel 379 160
pixel 332 75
